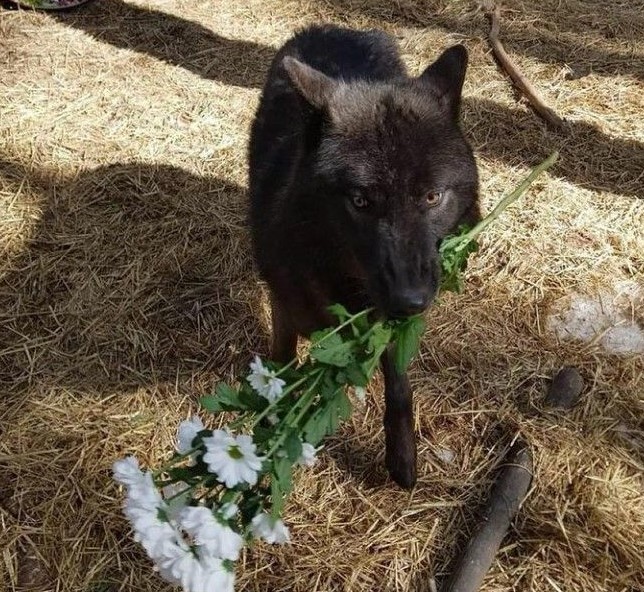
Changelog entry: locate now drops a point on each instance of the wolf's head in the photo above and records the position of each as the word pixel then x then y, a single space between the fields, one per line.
pixel 394 172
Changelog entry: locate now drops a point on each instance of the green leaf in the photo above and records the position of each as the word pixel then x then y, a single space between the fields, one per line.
pixel 408 336
pixel 379 338
pixel 454 251
pixel 282 471
pixel 250 400
pixel 317 336
pixel 226 398
pixel 277 498
pixel 228 496
pixel 355 375
pixel 333 351
pixel 262 434
pixel 326 419
pixel 339 311
pixel 189 475
pixel 327 387
pixel 293 446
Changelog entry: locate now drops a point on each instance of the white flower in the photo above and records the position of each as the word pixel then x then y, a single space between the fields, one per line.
pixel 216 578
pixel 264 526
pixel 360 393
pixel 177 564
pixel 202 573
pixel 144 494
pixel 187 432
pixel 307 458
pixel 232 459
pixel 149 530
pixel 127 471
pixel 229 510
pixel 217 539
pixel 264 381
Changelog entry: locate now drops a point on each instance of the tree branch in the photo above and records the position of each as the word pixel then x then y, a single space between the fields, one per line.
pixel 520 81
pixel 507 495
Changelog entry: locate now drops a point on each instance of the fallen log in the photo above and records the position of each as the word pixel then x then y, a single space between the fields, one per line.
pixel 507 495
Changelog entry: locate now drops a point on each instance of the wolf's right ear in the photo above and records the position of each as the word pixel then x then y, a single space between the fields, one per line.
pixel 314 86
pixel 446 76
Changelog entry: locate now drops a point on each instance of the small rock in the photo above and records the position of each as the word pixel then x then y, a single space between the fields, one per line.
pixel 446 455
pixel 565 388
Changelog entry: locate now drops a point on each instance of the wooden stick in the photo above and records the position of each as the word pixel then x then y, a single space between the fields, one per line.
pixel 520 81
pixel 509 491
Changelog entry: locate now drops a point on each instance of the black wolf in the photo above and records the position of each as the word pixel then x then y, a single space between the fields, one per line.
pixel 357 171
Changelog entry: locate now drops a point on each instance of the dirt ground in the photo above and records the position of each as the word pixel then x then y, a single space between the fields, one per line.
pixel 127 290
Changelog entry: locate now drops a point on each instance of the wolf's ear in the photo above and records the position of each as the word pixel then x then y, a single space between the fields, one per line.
pixel 446 76
pixel 314 86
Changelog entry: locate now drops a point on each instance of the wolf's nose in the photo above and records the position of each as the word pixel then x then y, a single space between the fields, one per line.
pixel 409 302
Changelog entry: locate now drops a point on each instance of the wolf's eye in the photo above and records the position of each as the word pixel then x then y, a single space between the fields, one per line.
pixel 359 201
pixel 434 198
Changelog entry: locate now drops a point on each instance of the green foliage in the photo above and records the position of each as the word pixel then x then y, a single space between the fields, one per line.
pixel 293 446
pixel 408 335
pixel 333 351
pixel 454 251
pixel 226 398
pixel 281 483
pixel 326 419
pixel 312 405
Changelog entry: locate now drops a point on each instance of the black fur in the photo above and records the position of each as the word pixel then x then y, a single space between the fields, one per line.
pixel 348 156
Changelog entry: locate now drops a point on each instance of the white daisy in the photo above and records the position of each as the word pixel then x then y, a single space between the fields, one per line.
pixel 127 472
pixel 187 432
pixel 264 526
pixel 195 573
pixel 232 459
pixel 264 381
pixel 307 458
pixel 152 533
pixel 216 577
pixel 144 494
pixel 177 564
pixel 217 539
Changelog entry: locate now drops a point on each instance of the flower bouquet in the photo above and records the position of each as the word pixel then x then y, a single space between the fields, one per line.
pixel 224 488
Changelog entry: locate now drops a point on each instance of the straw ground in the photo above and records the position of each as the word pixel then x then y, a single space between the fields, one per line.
pixel 127 290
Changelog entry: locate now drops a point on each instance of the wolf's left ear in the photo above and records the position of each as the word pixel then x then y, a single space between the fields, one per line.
pixel 316 87
pixel 446 76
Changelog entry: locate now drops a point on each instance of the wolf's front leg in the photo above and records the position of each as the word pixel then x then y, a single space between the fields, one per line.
pixel 400 439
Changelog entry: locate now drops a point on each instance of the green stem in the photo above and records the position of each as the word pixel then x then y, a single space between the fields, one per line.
pixel 509 199
pixel 318 374
pixel 339 328
pixel 303 405
pixel 274 404
pixel 173 461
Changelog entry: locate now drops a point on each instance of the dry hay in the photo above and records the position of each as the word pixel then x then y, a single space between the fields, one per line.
pixel 126 290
